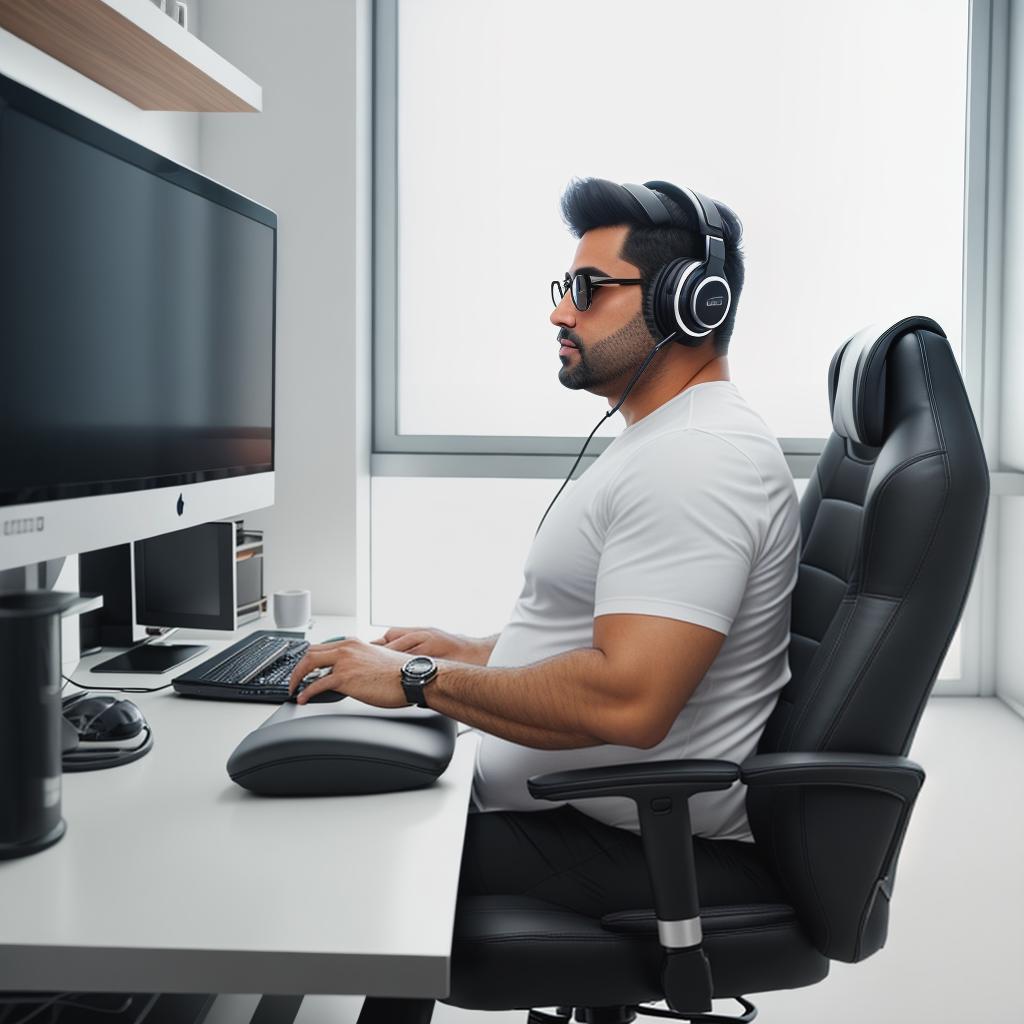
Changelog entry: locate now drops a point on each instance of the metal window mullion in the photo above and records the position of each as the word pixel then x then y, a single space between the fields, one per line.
pixel 510 465
pixel 385 225
pixel 984 210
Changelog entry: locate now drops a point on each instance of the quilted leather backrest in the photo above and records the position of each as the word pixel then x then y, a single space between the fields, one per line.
pixel 892 520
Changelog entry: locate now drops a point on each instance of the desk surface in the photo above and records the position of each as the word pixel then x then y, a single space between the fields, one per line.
pixel 173 879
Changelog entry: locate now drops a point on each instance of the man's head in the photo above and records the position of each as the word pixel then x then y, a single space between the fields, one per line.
pixel 617 240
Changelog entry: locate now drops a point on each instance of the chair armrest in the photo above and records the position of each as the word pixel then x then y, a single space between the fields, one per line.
pixel 634 780
pixel 661 791
pixel 896 775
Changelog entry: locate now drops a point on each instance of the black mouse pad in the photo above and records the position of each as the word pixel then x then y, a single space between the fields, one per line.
pixel 150 658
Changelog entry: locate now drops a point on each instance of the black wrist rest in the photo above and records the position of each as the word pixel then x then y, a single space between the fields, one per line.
pixel 340 754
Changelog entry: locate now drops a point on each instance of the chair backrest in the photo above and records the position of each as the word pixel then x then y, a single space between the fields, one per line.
pixel 891 523
pixel 892 520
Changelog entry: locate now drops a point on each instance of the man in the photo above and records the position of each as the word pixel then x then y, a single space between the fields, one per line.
pixel 654 617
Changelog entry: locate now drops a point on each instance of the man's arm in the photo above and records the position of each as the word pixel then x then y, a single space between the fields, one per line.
pixel 438 644
pixel 536 705
pixel 627 689
pixel 515 732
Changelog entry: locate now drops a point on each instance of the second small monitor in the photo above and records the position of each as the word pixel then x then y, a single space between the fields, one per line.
pixel 187 578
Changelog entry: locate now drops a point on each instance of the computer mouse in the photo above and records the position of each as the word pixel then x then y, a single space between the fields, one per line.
pixel 333 754
pixel 324 697
pixel 104 718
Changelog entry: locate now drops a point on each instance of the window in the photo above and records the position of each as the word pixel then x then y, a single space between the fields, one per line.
pixel 800 115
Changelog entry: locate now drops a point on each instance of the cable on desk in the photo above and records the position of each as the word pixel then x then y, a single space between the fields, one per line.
pixel 115 689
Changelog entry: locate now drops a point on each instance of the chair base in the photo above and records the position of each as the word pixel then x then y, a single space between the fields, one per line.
pixel 627 1014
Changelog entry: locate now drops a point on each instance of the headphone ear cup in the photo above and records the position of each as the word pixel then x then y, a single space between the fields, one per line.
pixel 656 324
pixel 667 316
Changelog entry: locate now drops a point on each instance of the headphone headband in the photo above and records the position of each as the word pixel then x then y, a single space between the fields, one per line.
pixel 709 219
pixel 690 295
pixel 708 216
pixel 651 202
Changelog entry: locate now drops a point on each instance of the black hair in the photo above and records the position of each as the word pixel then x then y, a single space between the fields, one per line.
pixel 589 203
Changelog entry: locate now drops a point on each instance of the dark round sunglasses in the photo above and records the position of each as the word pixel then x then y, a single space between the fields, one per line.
pixel 581 286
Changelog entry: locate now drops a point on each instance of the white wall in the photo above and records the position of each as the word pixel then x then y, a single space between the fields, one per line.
pixel 306 156
pixel 1009 660
pixel 174 135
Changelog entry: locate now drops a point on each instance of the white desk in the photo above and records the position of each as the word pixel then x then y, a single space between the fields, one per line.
pixel 173 879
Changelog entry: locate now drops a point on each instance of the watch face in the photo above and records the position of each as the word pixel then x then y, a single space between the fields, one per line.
pixel 419 666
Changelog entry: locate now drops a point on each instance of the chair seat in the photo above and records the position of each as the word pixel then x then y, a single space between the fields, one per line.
pixel 518 951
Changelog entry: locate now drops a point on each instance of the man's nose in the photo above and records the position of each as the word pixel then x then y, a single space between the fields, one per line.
pixel 564 314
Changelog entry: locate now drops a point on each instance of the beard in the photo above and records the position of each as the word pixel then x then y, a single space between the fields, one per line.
pixel 603 362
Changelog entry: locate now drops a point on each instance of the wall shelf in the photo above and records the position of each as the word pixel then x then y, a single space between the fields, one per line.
pixel 135 50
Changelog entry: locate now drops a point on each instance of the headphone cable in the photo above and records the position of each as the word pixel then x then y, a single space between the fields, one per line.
pixel 629 387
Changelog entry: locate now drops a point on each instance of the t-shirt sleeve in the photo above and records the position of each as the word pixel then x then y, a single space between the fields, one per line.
pixel 682 526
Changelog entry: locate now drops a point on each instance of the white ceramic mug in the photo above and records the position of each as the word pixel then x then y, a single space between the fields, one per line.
pixel 292 609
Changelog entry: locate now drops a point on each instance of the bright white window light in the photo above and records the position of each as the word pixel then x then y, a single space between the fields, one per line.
pixel 840 151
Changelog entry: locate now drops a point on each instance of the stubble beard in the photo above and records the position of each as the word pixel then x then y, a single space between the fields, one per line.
pixel 603 362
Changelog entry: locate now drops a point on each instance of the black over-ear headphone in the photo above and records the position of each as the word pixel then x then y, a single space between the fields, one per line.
pixel 76 755
pixel 687 296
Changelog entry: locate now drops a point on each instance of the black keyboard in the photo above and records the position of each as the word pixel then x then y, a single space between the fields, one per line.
pixel 256 668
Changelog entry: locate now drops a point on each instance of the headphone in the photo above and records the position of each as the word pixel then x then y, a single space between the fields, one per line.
pixel 92 760
pixel 76 757
pixel 687 297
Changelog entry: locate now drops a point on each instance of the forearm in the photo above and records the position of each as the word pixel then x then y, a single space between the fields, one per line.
pixel 562 702
pixel 514 732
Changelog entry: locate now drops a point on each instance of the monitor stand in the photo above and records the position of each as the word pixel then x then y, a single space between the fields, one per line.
pixel 150 658
pixel 37 576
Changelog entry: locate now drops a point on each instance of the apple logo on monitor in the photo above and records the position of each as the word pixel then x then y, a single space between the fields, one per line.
pixel 181 504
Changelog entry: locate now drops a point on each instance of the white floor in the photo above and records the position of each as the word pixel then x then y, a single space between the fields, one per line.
pixel 956 943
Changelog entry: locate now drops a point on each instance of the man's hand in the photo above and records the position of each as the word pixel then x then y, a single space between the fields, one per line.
pixel 437 644
pixel 370 674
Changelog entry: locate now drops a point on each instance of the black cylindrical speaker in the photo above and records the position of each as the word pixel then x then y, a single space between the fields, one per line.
pixel 30 719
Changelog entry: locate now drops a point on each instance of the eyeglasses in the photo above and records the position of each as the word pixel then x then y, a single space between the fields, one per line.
pixel 582 285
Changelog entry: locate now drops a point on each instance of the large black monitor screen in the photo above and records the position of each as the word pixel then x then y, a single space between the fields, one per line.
pixel 136 314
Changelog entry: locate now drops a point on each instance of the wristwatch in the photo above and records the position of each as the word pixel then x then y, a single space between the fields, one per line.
pixel 416 673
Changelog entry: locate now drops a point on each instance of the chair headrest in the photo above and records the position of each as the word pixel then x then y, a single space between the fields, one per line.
pixel 856 379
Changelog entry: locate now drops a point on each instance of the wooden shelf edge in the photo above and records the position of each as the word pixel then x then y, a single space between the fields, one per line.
pixel 135 50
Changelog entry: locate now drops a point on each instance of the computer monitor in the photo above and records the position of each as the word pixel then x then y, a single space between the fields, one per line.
pixel 137 334
pixel 181 579
pixel 187 578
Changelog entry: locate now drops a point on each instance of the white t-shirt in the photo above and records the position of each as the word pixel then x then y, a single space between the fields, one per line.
pixel 691 513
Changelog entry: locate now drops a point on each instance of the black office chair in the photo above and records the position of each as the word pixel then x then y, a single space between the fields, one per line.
pixel 892 521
